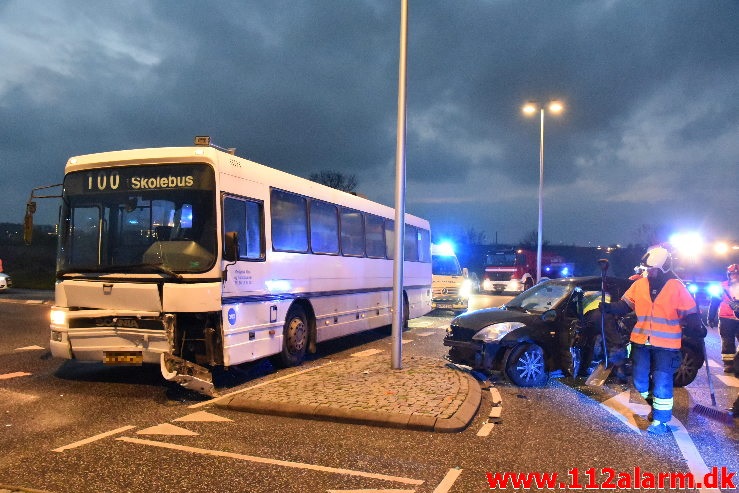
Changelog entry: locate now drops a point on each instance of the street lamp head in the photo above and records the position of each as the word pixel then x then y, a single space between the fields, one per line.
pixel 556 106
pixel 530 107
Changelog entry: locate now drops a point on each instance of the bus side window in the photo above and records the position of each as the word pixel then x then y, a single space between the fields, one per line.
pixel 289 213
pixel 324 227
pixel 389 239
pixel 352 233
pixel 244 217
pixel 375 236
pixel 424 245
pixel 410 251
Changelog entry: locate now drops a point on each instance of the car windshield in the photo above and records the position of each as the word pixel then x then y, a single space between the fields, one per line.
pixel 542 297
pixel 138 219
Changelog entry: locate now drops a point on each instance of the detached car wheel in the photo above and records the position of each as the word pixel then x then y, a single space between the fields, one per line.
pixel 525 366
pixel 689 366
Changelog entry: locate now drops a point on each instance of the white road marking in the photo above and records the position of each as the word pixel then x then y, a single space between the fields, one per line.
pixel 696 464
pixel 370 491
pixel 7 376
pixel 274 462
pixel 486 429
pixel 448 481
pixel 714 364
pixel 93 438
pixel 495 395
pixel 424 334
pixel 729 380
pixel 368 352
pixel 29 348
pixel 166 429
pixel 406 341
pixel 202 416
pixel 224 396
pixel 625 411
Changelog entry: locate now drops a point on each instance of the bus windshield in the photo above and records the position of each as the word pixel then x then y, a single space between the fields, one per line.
pixel 138 219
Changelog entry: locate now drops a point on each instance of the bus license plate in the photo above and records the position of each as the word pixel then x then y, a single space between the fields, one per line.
pixel 444 305
pixel 123 358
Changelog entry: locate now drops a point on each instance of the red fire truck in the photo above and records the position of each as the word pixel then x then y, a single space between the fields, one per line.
pixel 514 270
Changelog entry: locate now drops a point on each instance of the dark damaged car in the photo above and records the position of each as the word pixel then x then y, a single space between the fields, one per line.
pixel 537 333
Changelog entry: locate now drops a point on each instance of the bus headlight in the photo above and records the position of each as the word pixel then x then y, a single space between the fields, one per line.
pixel 58 317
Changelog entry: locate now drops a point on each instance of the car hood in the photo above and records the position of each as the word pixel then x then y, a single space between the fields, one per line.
pixel 478 319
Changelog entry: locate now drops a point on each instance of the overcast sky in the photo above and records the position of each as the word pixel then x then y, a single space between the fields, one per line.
pixel 650 134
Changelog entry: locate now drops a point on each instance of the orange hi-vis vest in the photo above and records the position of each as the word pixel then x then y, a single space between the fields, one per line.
pixel 724 310
pixel 658 321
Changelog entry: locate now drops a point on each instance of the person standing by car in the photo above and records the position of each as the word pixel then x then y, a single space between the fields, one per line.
pixel 724 310
pixel 661 304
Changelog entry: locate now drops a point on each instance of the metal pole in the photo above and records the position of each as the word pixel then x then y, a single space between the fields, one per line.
pixel 541 193
pixel 397 345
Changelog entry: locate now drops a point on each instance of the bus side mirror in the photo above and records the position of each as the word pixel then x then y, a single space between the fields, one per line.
pixel 231 241
pixel 28 223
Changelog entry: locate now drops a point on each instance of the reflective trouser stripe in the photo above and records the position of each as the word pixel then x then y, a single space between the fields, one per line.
pixel 644 395
pixel 727 357
pixel 661 404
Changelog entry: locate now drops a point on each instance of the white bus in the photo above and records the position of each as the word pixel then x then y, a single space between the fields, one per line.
pixel 194 258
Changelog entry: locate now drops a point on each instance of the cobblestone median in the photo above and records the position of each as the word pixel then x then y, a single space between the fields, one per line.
pixel 424 394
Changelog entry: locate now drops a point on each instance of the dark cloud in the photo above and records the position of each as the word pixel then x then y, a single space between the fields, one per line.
pixel 649 135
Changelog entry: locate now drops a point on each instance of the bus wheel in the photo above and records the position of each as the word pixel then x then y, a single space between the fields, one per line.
pixel 294 337
pixel 406 312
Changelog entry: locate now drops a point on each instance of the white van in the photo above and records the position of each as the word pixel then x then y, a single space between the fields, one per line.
pixel 451 286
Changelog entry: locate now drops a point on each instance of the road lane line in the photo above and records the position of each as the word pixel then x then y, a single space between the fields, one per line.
pixel 424 334
pixel 370 491
pixel 273 462
pixel 624 410
pixel 728 380
pixel 368 352
pixel 696 464
pixel 29 348
pixel 8 376
pixel 486 429
pixel 448 481
pixel 224 396
pixel 93 438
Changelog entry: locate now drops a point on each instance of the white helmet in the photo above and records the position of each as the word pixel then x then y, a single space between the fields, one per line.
pixel 657 258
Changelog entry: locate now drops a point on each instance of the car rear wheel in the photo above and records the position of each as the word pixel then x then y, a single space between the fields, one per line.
pixel 525 366
pixel 689 366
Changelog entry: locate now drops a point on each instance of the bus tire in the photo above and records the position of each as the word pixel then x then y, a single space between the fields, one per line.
pixel 294 337
pixel 406 311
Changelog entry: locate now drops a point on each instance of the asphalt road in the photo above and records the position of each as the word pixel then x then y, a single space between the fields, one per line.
pixel 72 427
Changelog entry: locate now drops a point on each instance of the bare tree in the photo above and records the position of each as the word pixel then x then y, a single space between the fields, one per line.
pixel 651 234
pixel 530 241
pixel 335 179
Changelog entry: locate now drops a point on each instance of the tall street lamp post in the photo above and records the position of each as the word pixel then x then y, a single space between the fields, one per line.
pixel 530 108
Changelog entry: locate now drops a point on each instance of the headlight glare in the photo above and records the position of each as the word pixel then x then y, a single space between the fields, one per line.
pixel 495 332
pixel 465 289
pixel 58 317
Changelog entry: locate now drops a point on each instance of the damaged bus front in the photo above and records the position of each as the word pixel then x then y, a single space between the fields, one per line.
pixel 138 277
